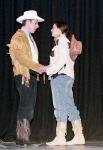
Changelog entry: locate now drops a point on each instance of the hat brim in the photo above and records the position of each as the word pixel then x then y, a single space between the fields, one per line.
pixel 21 18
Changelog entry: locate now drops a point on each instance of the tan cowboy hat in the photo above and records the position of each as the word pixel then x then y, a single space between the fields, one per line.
pixel 30 14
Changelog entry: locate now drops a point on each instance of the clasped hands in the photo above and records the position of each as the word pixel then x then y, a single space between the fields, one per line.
pixel 42 69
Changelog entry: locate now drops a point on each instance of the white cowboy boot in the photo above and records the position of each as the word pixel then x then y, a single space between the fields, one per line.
pixel 60 135
pixel 78 133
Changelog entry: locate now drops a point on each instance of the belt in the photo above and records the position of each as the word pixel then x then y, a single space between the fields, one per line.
pixel 56 75
pixel 33 73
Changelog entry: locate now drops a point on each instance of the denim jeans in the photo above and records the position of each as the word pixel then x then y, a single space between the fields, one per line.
pixel 63 101
pixel 27 97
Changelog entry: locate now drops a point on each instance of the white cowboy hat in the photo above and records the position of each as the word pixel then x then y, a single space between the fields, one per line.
pixel 30 14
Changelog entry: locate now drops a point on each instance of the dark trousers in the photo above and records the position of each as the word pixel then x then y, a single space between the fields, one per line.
pixel 27 97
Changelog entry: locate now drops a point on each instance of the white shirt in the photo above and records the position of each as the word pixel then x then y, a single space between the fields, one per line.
pixel 61 58
pixel 34 49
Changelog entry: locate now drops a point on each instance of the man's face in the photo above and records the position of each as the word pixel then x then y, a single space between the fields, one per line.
pixel 32 25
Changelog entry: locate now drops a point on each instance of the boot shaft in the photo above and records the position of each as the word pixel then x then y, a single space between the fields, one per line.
pixel 23 129
pixel 61 128
pixel 77 126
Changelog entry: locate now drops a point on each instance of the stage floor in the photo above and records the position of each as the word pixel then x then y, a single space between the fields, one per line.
pixel 94 145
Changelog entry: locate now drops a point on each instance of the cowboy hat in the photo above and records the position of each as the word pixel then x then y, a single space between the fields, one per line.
pixel 30 14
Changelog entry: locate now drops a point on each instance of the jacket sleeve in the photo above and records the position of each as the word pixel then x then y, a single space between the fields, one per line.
pixel 16 47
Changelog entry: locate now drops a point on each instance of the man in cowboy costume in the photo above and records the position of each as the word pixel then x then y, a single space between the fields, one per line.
pixel 24 56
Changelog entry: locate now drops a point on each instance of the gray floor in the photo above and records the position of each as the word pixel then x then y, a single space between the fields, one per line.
pixel 88 146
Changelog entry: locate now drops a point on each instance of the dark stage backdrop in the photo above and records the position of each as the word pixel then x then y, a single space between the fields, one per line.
pixel 85 19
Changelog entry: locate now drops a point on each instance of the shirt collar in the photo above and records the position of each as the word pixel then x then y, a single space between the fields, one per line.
pixel 25 31
pixel 62 36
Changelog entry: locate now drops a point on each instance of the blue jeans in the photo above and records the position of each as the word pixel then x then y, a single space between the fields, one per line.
pixel 63 101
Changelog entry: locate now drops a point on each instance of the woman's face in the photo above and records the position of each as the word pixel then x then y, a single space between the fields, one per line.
pixel 56 32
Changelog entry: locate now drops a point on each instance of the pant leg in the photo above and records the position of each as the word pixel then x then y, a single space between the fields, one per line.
pixel 59 102
pixel 73 113
pixel 27 98
pixel 63 100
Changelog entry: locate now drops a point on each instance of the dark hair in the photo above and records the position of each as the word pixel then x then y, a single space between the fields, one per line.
pixel 64 28
pixel 24 21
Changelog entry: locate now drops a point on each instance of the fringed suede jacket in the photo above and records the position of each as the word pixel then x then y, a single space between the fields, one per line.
pixel 20 53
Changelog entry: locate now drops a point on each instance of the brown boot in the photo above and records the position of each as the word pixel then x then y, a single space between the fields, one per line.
pixel 23 131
